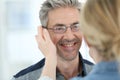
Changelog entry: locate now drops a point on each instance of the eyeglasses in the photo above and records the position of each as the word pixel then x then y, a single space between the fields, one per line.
pixel 60 28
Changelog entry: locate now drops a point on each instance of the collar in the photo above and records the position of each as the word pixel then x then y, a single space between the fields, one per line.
pixel 82 72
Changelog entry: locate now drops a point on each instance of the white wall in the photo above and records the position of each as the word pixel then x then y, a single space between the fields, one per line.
pixel 18 48
pixel 2 42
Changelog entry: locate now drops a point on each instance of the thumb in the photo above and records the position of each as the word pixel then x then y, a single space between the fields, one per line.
pixel 46 35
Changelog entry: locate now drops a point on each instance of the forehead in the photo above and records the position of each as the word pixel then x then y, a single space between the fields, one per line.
pixel 63 16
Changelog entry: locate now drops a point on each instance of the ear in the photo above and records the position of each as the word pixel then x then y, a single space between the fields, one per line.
pixel 87 42
pixel 95 54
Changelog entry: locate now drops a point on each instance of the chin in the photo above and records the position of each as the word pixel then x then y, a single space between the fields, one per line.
pixel 69 56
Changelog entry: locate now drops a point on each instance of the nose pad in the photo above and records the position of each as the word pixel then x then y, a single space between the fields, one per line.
pixel 69 34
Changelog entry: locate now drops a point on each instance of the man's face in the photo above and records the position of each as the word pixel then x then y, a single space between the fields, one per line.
pixel 69 42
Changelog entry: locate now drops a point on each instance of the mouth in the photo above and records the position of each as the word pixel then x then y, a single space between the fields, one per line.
pixel 69 46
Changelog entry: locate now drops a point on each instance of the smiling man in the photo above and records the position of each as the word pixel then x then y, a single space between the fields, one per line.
pixel 64 32
pixel 61 19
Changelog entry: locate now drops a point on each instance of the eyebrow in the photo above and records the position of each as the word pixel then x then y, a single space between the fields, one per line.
pixel 75 23
pixel 64 24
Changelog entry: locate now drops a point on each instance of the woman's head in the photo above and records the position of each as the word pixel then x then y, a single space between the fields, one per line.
pixel 100 23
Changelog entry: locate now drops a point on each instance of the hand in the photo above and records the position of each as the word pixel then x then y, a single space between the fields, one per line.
pixel 45 44
pixel 49 51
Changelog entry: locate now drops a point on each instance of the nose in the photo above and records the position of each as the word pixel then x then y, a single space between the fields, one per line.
pixel 69 34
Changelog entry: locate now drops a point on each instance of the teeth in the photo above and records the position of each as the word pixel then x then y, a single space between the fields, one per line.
pixel 69 45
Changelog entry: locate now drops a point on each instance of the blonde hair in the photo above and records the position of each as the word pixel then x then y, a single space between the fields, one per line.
pixel 100 23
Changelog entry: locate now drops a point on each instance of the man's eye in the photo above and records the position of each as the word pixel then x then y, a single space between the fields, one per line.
pixel 59 28
pixel 75 26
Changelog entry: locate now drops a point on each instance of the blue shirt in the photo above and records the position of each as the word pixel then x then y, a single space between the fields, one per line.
pixel 103 71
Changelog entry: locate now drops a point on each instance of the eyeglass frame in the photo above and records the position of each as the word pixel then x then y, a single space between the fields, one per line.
pixel 64 27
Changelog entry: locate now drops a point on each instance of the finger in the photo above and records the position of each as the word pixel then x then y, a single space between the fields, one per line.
pixel 39 29
pixel 36 37
pixel 40 32
pixel 40 37
pixel 39 40
pixel 46 35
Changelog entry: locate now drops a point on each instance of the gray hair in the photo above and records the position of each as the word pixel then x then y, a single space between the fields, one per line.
pixel 49 5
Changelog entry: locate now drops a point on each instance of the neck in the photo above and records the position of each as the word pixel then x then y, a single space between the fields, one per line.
pixel 70 68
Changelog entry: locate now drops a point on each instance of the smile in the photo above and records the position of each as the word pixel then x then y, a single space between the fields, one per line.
pixel 68 45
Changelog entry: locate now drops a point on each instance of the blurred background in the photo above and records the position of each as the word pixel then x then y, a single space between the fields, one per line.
pixel 18 26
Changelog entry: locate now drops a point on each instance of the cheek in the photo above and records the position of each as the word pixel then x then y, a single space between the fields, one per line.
pixel 79 35
pixel 55 38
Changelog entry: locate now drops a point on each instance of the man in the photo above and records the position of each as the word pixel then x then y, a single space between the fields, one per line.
pixel 61 19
